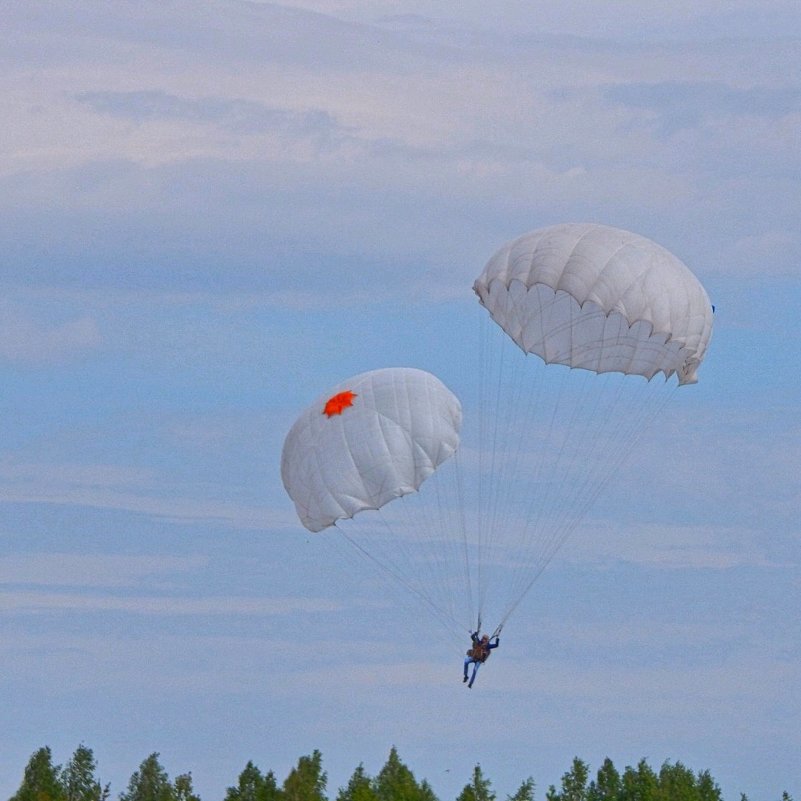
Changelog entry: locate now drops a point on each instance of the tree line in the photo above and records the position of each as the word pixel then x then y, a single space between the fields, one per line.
pixel 77 780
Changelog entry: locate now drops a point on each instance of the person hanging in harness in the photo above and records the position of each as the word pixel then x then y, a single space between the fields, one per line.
pixel 478 653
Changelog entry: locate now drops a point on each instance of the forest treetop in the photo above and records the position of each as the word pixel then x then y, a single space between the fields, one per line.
pixel 76 780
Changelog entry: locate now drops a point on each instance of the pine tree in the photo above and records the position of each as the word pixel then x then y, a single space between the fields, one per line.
pixel 708 789
pixel 78 778
pixel 640 784
pixel 677 783
pixel 479 788
pixel 149 783
pixel 253 786
pixel 306 781
pixel 606 785
pixel 426 792
pixel 574 784
pixel 182 788
pixel 41 779
pixel 523 793
pixel 395 782
pixel 359 787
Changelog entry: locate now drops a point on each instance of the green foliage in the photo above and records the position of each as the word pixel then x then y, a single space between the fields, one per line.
pixel 674 782
pixel 479 788
pixel 41 779
pixel 677 783
pixel 253 786
pixel 607 784
pixel 307 780
pixel 182 788
pixel 640 783
pixel 574 784
pixel 525 792
pixel 149 783
pixel 708 789
pixel 395 782
pixel 359 787
pixel 78 778
pixel 426 792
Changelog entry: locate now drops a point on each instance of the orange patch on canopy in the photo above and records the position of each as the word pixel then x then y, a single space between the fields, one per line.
pixel 337 403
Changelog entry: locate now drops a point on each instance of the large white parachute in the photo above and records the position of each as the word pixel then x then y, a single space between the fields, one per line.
pixel 369 440
pixel 621 309
pixel 599 298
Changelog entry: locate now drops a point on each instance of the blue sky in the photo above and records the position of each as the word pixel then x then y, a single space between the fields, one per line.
pixel 210 212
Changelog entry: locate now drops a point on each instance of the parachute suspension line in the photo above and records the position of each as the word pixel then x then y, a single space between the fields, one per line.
pixel 644 416
pixel 429 542
pixel 576 430
pixel 565 438
pixel 559 434
pixel 460 497
pixel 441 616
pixel 580 440
pixel 570 444
pixel 449 561
pixel 483 364
pixel 409 549
pixel 486 526
pixel 500 398
pixel 509 446
pixel 349 549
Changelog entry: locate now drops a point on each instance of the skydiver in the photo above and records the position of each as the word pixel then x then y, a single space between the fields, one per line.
pixel 478 653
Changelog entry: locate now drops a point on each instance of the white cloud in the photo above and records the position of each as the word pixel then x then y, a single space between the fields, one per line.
pixel 27 340
pixel 16 601
pixel 133 490
pixel 183 510
pixel 674 547
pixel 85 570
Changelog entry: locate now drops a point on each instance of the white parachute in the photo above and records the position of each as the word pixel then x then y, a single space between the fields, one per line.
pixel 369 440
pixel 605 312
pixel 599 298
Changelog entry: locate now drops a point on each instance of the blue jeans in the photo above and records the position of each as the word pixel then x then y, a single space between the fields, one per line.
pixel 467 661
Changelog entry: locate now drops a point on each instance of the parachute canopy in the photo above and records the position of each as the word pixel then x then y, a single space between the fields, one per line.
pixel 599 298
pixel 370 439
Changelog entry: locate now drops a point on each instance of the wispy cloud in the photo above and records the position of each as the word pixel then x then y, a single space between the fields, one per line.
pixel 237 115
pixel 25 602
pixel 184 510
pixel 87 571
pixel 133 490
pixel 674 547
pixel 675 105
pixel 27 340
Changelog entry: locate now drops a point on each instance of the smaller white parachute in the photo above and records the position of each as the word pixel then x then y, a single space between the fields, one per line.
pixel 369 440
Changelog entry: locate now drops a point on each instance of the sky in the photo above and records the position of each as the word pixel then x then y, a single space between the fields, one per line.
pixel 211 211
